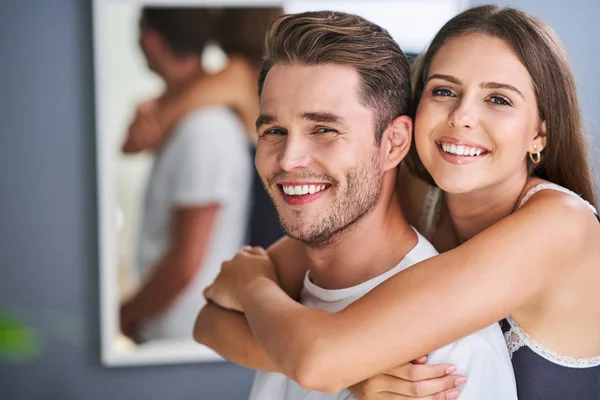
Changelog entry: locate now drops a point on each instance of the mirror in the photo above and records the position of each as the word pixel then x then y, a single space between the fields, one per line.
pixel 172 207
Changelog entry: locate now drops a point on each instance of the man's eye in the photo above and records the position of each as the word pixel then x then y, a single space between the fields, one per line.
pixel 275 131
pixel 324 130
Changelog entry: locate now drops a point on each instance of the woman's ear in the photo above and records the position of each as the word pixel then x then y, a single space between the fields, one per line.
pixel 540 140
pixel 395 142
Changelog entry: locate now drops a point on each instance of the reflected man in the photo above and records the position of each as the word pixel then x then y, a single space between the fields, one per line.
pixel 195 209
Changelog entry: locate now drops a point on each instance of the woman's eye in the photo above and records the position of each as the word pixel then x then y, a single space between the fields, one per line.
pixel 442 92
pixel 500 100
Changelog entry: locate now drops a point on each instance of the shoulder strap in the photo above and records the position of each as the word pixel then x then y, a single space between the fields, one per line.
pixel 553 186
pixel 430 215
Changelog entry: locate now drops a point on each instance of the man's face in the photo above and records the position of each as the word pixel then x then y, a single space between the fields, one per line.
pixel 316 151
pixel 151 45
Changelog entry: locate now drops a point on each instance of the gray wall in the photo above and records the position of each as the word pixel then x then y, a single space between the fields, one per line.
pixel 48 252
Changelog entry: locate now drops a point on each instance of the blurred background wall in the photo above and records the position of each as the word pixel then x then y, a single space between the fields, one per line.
pixel 48 239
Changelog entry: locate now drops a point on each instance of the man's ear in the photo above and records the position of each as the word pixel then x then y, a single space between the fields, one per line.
pixel 396 141
pixel 152 43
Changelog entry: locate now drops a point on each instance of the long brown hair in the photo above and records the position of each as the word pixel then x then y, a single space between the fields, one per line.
pixel 564 159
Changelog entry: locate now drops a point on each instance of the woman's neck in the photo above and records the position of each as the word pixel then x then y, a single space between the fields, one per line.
pixel 471 213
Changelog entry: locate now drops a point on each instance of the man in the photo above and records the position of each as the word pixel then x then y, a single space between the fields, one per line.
pixel 334 94
pixel 196 206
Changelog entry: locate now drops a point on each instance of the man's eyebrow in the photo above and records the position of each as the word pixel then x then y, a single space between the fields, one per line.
pixel 264 119
pixel 497 85
pixel 323 117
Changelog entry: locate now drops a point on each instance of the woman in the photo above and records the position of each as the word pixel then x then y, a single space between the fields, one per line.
pixel 497 129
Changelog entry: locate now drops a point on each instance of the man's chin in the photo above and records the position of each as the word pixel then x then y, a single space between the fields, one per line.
pixel 310 239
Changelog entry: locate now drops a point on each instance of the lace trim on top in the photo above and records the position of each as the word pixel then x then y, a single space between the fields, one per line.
pixel 556 187
pixel 516 338
pixel 431 211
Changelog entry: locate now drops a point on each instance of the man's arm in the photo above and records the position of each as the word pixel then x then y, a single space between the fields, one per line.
pixel 228 333
pixel 192 227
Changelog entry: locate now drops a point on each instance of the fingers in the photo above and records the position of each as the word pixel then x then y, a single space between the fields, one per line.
pixel 208 292
pixel 385 386
pixel 420 360
pixel 431 387
pixel 144 132
pixel 256 250
pixel 422 388
pixel 413 381
pixel 418 372
pixel 450 395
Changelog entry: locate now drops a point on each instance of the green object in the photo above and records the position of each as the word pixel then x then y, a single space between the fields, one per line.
pixel 18 343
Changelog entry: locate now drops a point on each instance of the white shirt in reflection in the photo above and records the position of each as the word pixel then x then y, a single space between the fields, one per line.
pixel 206 160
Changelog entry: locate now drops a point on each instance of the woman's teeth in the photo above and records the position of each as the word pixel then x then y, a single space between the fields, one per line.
pixel 302 190
pixel 461 150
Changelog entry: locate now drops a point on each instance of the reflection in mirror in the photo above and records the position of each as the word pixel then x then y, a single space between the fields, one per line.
pixel 176 105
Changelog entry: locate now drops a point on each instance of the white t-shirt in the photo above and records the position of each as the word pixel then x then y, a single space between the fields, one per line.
pixel 207 160
pixel 482 357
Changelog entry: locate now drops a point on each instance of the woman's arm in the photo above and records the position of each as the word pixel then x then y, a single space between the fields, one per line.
pixel 227 332
pixel 440 300
pixel 235 86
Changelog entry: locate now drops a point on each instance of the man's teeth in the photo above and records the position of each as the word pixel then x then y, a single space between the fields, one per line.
pixel 302 190
pixel 461 150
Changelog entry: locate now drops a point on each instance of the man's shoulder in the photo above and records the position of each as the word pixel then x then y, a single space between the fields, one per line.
pixel 206 122
pixel 422 250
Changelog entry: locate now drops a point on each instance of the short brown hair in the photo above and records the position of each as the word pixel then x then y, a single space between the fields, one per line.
pixel 185 30
pixel 242 31
pixel 564 159
pixel 329 37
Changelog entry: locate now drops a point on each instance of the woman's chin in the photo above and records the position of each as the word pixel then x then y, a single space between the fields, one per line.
pixel 456 185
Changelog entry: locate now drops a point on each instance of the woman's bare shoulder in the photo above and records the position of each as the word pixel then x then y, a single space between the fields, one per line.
pixel 557 199
pixel 567 211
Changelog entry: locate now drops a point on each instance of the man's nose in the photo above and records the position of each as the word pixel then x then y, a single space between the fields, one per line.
pixel 296 153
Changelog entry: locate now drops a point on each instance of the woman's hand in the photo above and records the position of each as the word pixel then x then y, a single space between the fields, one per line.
pixel 249 264
pixel 415 380
pixel 234 87
pixel 145 132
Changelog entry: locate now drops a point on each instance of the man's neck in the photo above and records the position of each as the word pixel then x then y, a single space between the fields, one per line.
pixel 371 247
pixel 177 81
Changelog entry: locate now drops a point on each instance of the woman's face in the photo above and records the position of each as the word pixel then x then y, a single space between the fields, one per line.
pixel 478 115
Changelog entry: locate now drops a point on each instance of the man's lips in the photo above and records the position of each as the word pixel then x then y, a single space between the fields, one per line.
pixel 298 193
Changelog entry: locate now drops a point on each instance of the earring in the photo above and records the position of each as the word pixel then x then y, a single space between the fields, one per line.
pixel 535 157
